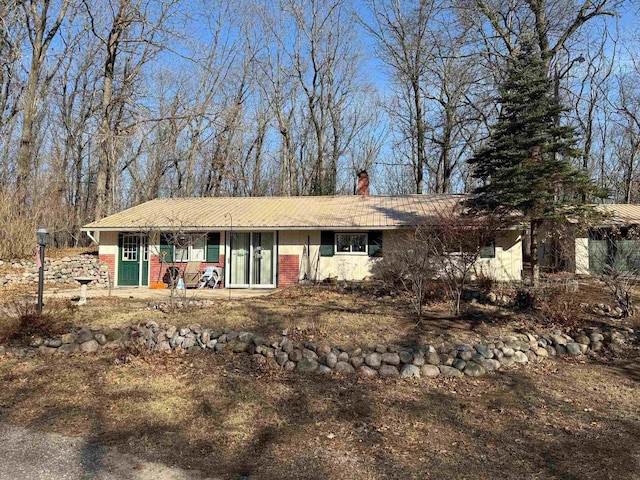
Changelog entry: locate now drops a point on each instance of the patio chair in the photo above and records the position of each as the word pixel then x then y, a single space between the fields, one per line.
pixel 191 274
pixel 211 277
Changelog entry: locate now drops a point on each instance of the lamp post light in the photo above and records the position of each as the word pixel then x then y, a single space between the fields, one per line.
pixel 43 240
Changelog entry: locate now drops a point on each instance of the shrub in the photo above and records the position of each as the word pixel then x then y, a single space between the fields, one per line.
pixel 550 303
pixel 23 322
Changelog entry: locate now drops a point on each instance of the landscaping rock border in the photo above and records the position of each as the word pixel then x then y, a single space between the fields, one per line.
pixel 387 361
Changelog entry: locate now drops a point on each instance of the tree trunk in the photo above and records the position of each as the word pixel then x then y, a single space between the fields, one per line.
pixel 535 268
pixel 420 135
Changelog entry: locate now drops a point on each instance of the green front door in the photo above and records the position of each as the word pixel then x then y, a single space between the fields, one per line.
pixel 129 264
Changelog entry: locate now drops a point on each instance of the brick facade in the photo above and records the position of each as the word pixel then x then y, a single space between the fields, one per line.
pixel 288 270
pixel 110 261
pixel 158 269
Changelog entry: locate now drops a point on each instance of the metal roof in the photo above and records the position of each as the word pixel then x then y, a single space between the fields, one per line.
pixel 624 213
pixel 356 212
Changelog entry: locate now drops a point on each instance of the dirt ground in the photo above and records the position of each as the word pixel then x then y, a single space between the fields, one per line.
pixel 228 417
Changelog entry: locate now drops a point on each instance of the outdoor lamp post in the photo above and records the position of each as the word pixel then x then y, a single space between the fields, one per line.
pixel 43 241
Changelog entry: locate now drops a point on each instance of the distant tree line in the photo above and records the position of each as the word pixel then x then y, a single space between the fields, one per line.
pixel 105 104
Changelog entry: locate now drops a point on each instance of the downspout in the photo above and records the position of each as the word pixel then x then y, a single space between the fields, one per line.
pixel 93 239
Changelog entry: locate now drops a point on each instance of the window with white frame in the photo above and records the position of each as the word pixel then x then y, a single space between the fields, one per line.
pixel 351 243
pixel 188 247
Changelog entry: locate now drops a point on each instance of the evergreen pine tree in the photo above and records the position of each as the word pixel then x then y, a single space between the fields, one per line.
pixel 527 165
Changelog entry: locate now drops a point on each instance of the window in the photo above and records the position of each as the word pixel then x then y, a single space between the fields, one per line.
pixel 187 247
pixel 488 250
pixel 130 248
pixel 351 243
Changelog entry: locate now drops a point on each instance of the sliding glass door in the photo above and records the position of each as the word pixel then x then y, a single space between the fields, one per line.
pixel 252 260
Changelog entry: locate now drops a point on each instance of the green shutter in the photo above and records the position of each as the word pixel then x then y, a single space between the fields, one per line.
pixel 213 247
pixel 327 241
pixel 375 243
pixel 166 249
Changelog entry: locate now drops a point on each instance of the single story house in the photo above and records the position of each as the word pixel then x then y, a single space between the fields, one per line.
pixel 276 241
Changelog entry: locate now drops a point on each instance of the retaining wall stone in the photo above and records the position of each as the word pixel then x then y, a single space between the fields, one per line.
pixel 379 360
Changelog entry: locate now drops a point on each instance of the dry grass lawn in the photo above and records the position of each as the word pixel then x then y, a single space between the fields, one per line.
pixel 224 415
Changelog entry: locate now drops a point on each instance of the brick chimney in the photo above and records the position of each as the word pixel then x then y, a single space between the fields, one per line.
pixel 363 183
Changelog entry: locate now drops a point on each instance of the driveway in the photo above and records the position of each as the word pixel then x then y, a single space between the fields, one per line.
pixel 30 455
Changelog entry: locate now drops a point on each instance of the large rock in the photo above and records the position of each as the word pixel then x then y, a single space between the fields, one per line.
pixel 357 361
pixel 84 336
pixel 113 334
pixel 541 352
pixel 90 346
pixel 520 357
pixel 68 338
pixel 432 358
pixel 307 365
pixel 373 360
pixel 448 371
pixel 100 338
pixel 329 359
pixel 410 371
pixel 418 360
pixel 429 371
pixel 310 354
pixel 446 360
pixel 406 356
pixel 474 369
pixel 286 345
pixel 573 348
pixel 484 350
pixel 282 358
pixel 68 348
pixel 344 367
pixel 245 337
pixel 508 351
pixel 459 364
pixel 490 364
pixel 295 355
pixel 583 340
pixel 466 355
pixel 391 359
pixel 42 350
pixel 52 342
pixel 239 347
pixel 365 371
pixel 188 342
pixel 558 340
pixel 389 371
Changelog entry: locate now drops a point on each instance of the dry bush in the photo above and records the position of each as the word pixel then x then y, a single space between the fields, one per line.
pixel 23 323
pixel 551 303
pixel 446 250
